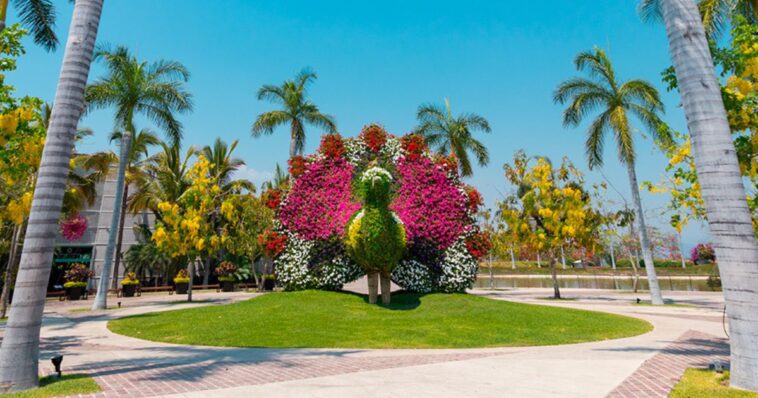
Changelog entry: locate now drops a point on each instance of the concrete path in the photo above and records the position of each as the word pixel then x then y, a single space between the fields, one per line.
pixel 128 367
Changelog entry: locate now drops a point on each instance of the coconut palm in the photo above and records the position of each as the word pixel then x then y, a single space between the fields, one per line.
pixel 721 183
pixel 36 15
pixel 716 15
pixel 138 154
pixel 164 179
pixel 453 134
pixel 617 102
pixel 223 166
pixel 297 110
pixel 19 353
pixel 155 90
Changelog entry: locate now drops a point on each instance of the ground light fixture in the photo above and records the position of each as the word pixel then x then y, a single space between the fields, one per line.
pixel 56 360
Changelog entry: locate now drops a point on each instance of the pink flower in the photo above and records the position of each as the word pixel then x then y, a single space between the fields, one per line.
pixel 74 227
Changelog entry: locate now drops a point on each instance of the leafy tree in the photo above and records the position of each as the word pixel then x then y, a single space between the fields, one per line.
pixel 245 217
pixel 155 90
pixel 617 102
pixel 297 110
pixel 453 134
pixel 551 213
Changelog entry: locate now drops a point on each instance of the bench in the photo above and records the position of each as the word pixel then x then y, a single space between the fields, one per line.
pixel 61 294
pixel 154 289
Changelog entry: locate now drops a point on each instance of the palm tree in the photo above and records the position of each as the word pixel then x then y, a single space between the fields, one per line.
pixel 164 180
pixel 134 169
pixel 715 14
pixel 453 134
pixel 721 183
pixel 297 110
pixel 281 179
pixel 155 90
pixel 19 353
pixel 617 102
pixel 36 15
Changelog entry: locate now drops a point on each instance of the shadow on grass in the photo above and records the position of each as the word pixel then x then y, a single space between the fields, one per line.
pixel 399 301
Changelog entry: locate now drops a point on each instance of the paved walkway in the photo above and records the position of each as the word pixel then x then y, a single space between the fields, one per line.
pixel 124 366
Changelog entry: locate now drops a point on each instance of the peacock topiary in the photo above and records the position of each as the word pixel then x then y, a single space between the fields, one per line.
pixel 375 236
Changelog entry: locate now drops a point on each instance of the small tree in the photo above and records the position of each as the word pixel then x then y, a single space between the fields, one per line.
pixel 550 212
pixel 245 217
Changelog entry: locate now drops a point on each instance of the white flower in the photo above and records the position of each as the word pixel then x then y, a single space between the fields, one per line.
pixel 376 174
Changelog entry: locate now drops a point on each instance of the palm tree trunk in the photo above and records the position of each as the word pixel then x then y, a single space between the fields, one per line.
pixel 114 284
pixel 10 269
pixel 19 353
pixel 3 13
pixel 207 270
pixel 293 137
pixel 647 255
pixel 721 184
pixel 191 273
pixel 101 299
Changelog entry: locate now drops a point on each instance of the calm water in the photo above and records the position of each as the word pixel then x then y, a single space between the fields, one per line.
pixel 694 283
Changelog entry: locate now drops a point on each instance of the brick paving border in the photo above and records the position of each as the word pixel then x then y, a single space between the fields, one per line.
pixel 144 379
pixel 657 376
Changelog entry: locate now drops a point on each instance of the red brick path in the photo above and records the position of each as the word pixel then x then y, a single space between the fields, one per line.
pixel 147 380
pixel 657 376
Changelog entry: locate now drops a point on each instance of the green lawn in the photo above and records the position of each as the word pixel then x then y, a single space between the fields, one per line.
pixel 703 383
pixel 52 386
pixel 345 320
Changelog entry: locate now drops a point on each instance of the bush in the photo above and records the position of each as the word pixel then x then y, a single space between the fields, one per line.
pixel 130 279
pixel 69 285
pixel 702 253
pixel 181 277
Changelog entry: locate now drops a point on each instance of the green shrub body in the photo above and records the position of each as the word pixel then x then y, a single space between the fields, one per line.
pixel 375 236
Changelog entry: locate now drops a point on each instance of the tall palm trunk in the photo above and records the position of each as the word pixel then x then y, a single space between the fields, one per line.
pixel 101 301
pixel 19 353
pixel 10 270
pixel 647 255
pixel 120 240
pixel 721 184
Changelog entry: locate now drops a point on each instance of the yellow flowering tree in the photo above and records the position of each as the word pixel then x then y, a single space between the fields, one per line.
pixel 187 227
pixel 550 209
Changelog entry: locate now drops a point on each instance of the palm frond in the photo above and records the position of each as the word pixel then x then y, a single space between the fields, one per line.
pixel 267 122
pixel 39 17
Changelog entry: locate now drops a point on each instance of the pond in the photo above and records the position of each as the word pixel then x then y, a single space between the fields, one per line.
pixel 617 282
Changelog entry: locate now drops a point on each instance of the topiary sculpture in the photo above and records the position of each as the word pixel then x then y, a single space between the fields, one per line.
pixel 375 237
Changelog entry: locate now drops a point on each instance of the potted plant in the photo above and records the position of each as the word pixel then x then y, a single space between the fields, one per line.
pixel 269 282
pixel 227 275
pixel 76 280
pixel 181 282
pixel 129 284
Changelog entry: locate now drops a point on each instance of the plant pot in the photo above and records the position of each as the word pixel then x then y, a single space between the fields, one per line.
pixel 228 286
pixel 128 290
pixel 269 284
pixel 74 293
pixel 181 288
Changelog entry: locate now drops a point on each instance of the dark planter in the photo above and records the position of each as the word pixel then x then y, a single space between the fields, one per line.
pixel 269 284
pixel 74 293
pixel 181 288
pixel 128 290
pixel 228 286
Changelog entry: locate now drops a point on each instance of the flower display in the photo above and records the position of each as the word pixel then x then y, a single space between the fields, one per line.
pixel 702 253
pixel 77 275
pixel 74 227
pixel 272 198
pixel 436 210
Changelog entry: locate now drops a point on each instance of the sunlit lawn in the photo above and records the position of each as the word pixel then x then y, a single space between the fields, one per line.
pixel 703 383
pixel 52 386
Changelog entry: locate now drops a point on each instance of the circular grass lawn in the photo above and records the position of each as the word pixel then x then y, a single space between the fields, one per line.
pixel 319 319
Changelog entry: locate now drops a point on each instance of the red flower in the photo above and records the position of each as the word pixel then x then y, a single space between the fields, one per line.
pixel 474 198
pixel 272 198
pixel 374 136
pixel 332 146
pixel 296 166
pixel 414 145
pixel 478 245
pixel 74 227
pixel 273 243
pixel 450 163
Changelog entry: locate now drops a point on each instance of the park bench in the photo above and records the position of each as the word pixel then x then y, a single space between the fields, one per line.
pixel 154 289
pixel 61 294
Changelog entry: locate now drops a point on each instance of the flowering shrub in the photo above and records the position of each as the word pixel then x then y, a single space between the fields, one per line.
pixel 74 227
pixel 478 244
pixel 130 279
pixel 427 199
pixel 332 146
pixel 272 198
pixel 374 136
pixel 296 166
pixel 77 275
pixel 272 242
pixel 181 277
pixel 702 253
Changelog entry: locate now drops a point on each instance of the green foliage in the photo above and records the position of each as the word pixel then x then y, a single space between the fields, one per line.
pixel 343 320
pixel 130 279
pixel 69 285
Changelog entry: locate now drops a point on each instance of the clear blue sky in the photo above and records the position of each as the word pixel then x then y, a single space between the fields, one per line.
pixel 376 62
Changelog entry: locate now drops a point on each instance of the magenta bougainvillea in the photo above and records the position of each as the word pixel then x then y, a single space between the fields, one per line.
pixel 429 203
pixel 436 208
pixel 320 201
pixel 74 227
